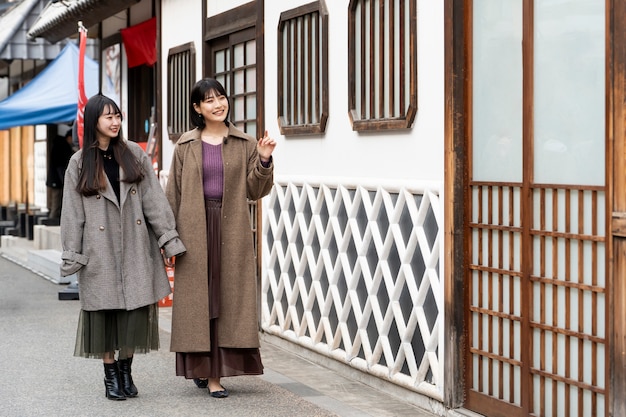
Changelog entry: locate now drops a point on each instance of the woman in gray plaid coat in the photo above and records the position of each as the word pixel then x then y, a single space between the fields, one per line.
pixel 114 222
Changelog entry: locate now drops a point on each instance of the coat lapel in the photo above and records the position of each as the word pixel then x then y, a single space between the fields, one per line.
pixel 109 194
pixel 124 187
pixel 196 150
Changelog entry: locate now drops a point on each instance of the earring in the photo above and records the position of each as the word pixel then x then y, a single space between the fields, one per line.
pixel 200 115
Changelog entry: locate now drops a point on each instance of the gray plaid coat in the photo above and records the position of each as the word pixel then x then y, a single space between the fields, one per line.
pixel 115 247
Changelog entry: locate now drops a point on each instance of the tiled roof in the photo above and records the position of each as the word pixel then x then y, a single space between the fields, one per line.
pixel 12 19
pixel 60 19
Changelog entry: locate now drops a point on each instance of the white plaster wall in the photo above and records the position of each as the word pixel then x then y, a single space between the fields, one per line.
pixel 181 23
pixel 113 24
pixel 216 7
pixel 341 153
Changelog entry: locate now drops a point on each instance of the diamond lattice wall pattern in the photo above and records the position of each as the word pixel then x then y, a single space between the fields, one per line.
pixel 355 274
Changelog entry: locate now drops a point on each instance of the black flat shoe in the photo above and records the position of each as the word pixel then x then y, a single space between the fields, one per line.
pixel 201 383
pixel 219 394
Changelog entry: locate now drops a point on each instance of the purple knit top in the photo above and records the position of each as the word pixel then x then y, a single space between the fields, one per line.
pixel 213 171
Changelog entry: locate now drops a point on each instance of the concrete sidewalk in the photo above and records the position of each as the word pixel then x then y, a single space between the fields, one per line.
pixel 41 377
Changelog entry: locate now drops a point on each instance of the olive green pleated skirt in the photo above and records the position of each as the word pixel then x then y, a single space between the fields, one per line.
pixel 127 331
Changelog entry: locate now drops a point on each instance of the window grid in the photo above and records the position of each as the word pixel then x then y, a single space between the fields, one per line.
pixel 382 64
pixel 181 75
pixel 235 68
pixel 303 69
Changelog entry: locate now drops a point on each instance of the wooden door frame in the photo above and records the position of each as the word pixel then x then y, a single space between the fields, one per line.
pixel 456 307
pixel 616 202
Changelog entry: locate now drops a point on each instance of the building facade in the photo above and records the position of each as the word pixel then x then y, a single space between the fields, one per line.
pixel 351 243
pixel 447 216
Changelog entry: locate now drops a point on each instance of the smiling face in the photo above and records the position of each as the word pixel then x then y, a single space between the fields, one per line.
pixel 109 123
pixel 214 107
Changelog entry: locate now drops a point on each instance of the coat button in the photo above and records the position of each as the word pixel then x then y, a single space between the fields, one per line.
pixel 133 191
pixel 98 196
pixel 138 221
pixel 101 228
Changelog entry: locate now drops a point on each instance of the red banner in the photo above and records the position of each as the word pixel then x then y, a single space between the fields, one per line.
pixel 82 97
pixel 140 43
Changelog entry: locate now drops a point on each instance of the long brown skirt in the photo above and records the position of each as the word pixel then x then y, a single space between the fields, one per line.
pixel 219 361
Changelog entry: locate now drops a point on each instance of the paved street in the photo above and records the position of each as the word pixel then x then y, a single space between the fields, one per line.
pixel 41 377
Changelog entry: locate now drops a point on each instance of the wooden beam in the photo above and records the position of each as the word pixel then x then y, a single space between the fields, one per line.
pixel 455 148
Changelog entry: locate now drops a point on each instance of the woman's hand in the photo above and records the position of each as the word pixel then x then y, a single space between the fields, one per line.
pixel 265 146
pixel 170 262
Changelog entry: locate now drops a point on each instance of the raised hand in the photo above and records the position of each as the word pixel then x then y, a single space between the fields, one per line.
pixel 265 146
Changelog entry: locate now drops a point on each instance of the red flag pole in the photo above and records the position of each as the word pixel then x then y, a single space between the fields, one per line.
pixel 82 97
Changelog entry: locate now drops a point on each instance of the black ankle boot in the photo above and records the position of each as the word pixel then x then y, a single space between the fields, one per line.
pixel 129 388
pixel 112 385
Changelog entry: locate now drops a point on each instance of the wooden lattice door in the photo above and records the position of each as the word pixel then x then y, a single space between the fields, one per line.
pixel 536 279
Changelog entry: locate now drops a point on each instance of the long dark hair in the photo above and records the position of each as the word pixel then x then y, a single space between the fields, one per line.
pixel 92 178
pixel 201 91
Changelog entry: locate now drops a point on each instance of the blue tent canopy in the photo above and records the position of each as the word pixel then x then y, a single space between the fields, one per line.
pixel 52 96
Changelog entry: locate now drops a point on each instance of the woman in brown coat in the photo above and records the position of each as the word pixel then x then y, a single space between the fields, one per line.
pixel 114 221
pixel 215 170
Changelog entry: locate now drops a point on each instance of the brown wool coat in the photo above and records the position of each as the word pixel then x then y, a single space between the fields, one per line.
pixel 114 247
pixel 244 178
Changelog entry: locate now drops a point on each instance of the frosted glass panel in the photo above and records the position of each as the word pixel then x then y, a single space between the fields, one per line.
pixel 250 53
pixel 497 91
pixel 220 63
pixel 569 108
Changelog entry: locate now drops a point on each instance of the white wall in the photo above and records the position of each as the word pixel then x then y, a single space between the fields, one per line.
pixel 340 153
pixel 112 25
pixel 361 168
pixel 417 153
pixel 181 23
pixel 217 7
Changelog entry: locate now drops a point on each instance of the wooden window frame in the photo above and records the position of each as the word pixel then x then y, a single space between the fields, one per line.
pixel 226 29
pixel 401 112
pixel 298 113
pixel 180 80
pixel 228 75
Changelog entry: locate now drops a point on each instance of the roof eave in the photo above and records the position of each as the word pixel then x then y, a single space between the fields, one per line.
pixel 59 20
pixel 12 19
